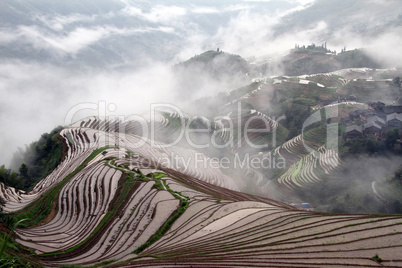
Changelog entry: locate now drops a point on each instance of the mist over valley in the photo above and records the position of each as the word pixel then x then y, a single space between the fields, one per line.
pixel 200 133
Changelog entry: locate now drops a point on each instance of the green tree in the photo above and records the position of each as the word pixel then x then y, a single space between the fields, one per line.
pixel 356 146
pixel 23 170
pixel 371 146
pixel 398 175
pixel 391 138
pixel 3 174
pixel 35 162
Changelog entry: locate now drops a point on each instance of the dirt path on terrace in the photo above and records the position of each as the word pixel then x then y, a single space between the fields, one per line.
pixel 376 193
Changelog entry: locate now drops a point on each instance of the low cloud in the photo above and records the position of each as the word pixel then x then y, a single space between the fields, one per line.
pixel 205 10
pixel 252 35
pixel 37 96
pixel 58 22
pixel 157 14
pixel 386 48
pixel 73 41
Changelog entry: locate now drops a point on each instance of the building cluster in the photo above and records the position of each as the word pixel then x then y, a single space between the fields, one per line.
pixel 377 120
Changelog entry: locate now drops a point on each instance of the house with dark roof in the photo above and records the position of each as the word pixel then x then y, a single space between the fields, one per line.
pixel 382 110
pixel 392 109
pixel 394 120
pixel 354 131
pixel 372 129
pixel 354 115
pixel 377 106
pixel 362 114
pixel 366 114
pixel 377 120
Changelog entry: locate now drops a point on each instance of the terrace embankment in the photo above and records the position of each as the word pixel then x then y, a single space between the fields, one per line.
pixel 126 208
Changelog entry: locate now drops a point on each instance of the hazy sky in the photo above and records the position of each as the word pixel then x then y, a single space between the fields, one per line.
pixel 40 49
pixel 55 56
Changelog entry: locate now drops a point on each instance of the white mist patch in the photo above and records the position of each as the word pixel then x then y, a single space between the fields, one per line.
pixel 157 14
pixel 37 98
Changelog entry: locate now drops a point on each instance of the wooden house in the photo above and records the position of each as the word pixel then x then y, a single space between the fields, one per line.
pixel 372 129
pixel 377 120
pixel 354 132
pixel 394 120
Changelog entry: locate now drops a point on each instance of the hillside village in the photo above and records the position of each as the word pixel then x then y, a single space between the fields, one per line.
pixel 376 121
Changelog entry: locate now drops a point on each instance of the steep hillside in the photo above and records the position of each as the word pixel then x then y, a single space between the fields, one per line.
pixel 216 63
pixel 311 60
pixel 113 203
pixel 213 72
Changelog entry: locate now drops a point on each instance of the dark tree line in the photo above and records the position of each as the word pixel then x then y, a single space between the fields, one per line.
pixel 35 162
pixel 371 145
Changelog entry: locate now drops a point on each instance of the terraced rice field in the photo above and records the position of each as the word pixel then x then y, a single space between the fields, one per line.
pixel 249 234
pixel 327 79
pixel 128 206
pixel 298 147
pixel 309 168
pixel 262 131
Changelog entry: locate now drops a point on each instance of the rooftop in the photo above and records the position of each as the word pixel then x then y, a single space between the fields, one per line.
pixel 376 119
pixel 354 127
pixel 394 116
pixel 371 124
